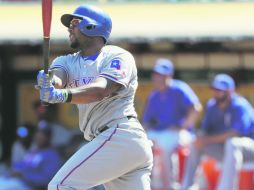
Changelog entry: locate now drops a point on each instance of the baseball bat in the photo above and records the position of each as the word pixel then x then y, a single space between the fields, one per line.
pixel 46 21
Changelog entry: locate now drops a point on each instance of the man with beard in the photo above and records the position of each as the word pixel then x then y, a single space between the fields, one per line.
pixel 101 80
pixel 227 116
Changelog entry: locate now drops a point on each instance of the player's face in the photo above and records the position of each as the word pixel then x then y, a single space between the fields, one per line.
pixel 220 95
pixel 159 81
pixel 74 33
pixel 41 139
pixel 77 39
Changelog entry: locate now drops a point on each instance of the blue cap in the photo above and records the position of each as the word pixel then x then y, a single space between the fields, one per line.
pixel 44 127
pixel 164 67
pixel 223 82
pixel 22 132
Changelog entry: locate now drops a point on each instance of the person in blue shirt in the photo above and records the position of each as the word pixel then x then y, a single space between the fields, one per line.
pixel 228 118
pixel 23 142
pixel 37 167
pixel 169 116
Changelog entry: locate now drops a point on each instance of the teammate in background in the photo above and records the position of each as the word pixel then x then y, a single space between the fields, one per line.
pixel 227 119
pixel 101 79
pixel 37 167
pixel 23 142
pixel 170 114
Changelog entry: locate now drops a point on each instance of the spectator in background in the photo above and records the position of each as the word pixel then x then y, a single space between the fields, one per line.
pixel 61 135
pixel 170 114
pixel 23 142
pixel 227 119
pixel 37 167
pixel 24 138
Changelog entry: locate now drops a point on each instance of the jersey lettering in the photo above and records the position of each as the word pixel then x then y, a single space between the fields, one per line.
pixel 81 82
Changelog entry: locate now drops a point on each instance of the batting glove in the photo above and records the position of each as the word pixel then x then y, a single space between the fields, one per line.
pixel 53 95
pixel 43 80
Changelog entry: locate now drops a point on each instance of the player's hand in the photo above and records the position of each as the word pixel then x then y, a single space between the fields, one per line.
pixel 52 95
pixel 43 80
pixel 200 142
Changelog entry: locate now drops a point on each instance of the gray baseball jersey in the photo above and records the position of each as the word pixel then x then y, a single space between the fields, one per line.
pixel 113 63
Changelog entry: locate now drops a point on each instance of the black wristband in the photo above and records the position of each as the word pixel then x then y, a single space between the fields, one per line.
pixel 69 97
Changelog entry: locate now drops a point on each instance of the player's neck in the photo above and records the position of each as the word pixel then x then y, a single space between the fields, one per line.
pixel 92 49
pixel 224 104
pixel 89 52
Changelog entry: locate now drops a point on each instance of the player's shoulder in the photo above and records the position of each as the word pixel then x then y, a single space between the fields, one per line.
pixel 154 94
pixel 239 101
pixel 179 85
pixel 112 50
pixel 177 82
pixel 67 58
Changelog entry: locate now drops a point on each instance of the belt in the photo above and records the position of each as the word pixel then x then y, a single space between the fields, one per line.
pixel 107 127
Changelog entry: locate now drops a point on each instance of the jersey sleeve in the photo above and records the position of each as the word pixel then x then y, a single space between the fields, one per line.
pixel 119 68
pixel 61 62
pixel 242 121
pixel 189 97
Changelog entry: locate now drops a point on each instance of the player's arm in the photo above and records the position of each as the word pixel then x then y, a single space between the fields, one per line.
pixel 95 91
pixel 192 116
pixel 239 124
pixel 58 77
pixel 214 139
pixel 221 138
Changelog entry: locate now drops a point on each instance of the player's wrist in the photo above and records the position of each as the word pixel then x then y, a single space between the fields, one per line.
pixel 68 95
pixel 53 95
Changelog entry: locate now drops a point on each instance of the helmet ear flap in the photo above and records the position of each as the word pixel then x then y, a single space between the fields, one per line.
pixel 89 27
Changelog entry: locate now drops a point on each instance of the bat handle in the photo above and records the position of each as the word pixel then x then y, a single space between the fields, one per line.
pixel 46 60
pixel 46 54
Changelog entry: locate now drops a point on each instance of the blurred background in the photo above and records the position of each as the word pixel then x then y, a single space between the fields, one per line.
pixel 201 37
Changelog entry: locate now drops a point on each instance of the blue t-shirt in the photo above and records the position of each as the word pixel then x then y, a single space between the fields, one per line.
pixel 169 108
pixel 38 167
pixel 238 116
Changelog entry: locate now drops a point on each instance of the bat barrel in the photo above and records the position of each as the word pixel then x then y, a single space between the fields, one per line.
pixel 46 16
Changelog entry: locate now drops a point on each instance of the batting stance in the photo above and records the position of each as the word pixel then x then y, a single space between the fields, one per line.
pixel 102 81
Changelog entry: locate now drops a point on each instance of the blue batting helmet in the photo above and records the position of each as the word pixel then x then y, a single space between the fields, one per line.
pixel 95 22
pixel 223 82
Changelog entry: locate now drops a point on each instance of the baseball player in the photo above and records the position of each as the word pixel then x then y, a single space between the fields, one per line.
pixel 170 114
pixel 101 80
pixel 227 117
